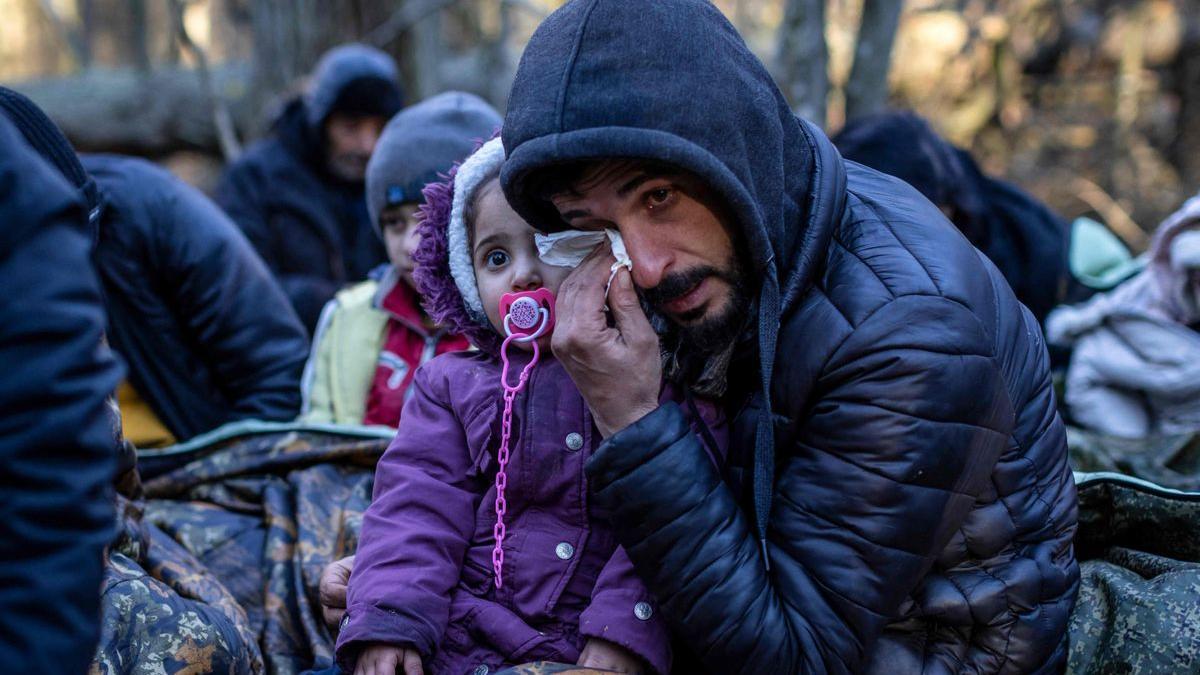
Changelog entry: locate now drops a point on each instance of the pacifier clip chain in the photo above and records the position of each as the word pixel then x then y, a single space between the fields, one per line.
pixel 510 394
pixel 525 320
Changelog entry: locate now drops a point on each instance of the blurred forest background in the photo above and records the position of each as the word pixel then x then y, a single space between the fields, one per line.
pixel 1092 105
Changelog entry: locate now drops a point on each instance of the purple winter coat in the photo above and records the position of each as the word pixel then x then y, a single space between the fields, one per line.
pixel 423 575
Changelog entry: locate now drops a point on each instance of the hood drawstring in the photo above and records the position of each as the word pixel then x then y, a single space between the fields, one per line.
pixel 764 436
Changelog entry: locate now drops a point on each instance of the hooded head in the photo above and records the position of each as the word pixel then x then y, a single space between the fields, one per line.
pixel 903 145
pixel 354 79
pixel 445 276
pixel 353 91
pixel 474 248
pixel 48 140
pixel 670 81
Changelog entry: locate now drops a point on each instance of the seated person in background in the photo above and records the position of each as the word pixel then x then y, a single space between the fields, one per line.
pixel 207 333
pixel 1135 368
pixel 1019 234
pixel 298 194
pixel 372 336
pixel 469 561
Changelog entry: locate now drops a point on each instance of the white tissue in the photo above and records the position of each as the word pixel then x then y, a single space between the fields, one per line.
pixel 569 247
pixel 1185 250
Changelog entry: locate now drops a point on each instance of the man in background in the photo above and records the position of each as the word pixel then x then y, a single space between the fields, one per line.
pixel 298 194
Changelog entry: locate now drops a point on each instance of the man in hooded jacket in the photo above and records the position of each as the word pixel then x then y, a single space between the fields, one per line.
pixel 899 498
pixel 298 194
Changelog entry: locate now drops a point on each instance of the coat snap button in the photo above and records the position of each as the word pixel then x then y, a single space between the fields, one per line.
pixel 564 551
pixel 574 441
pixel 643 611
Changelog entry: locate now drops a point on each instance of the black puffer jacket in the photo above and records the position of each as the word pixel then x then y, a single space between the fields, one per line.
pixel 208 335
pixel 922 509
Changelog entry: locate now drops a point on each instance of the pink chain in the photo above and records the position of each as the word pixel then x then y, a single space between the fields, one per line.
pixel 510 394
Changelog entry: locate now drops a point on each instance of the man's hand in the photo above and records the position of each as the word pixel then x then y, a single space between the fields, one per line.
pixel 379 659
pixel 331 590
pixel 606 655
pixel 618 369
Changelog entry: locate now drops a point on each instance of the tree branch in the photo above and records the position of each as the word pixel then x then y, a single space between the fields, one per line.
pixel 71 35
pixel 409 14
pixel 226 133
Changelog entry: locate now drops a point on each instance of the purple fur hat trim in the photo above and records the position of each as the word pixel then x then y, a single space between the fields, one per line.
pixel 439 293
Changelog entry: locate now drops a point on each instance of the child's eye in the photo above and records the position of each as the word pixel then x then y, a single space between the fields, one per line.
pixel 496 258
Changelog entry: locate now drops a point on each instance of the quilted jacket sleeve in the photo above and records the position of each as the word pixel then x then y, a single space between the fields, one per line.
pixel 416 531
pixel 901 430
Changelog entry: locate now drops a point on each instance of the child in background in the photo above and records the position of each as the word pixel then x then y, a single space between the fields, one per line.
pixel 372 336
pixel 430 587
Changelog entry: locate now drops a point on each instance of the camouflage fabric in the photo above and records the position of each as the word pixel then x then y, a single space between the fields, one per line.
pixel 1138 609
pixel 218 559
pixel 547 668
pixel 1170 461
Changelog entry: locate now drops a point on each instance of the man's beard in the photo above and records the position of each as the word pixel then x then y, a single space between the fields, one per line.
pixel 351 168
pixel 712 334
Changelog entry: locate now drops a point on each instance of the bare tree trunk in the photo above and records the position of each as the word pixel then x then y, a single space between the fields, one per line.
pixel 427 55
pixel 802 58
pixel 1187 84
pixel 867 88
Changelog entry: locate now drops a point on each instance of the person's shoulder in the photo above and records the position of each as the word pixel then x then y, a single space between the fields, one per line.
pixel 128 175
pixel 893 243
pixel 358 295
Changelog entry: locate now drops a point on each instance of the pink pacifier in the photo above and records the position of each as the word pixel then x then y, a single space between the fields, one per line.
pixel 528 315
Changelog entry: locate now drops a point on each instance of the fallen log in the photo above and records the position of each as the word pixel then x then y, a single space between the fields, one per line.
pixel 150 113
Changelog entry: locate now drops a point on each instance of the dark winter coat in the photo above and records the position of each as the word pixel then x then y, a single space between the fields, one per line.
pixel 208 335
pixel 311 228
pixel 1019 234
pixel 902 453
pixel 58 440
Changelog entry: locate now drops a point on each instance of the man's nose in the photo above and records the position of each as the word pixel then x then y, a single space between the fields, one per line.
pixel 652 258
pixel 366 139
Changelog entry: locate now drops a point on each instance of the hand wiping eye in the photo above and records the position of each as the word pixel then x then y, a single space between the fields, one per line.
pixel 570 247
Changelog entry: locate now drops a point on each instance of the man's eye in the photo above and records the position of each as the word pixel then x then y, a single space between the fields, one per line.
pixel 659 197
pixel 496 258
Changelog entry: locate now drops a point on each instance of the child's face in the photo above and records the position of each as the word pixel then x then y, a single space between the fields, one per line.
pixel 505 256
pixel 399 224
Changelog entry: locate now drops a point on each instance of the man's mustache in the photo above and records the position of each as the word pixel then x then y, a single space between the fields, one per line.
pixel 677 284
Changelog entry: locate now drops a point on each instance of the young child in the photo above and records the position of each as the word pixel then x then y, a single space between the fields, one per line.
pixel 372 336
pixel 430 589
